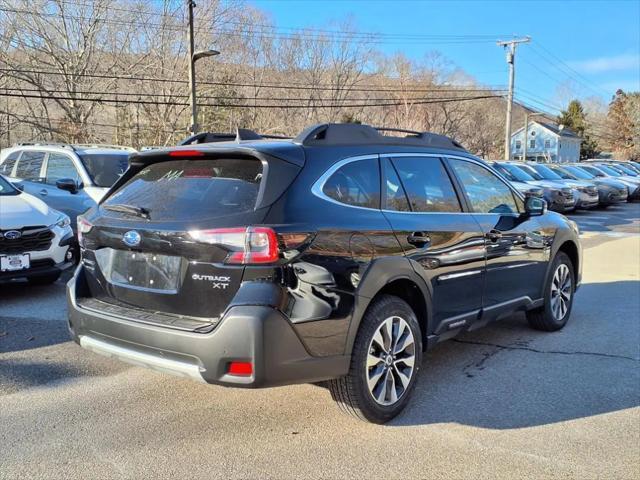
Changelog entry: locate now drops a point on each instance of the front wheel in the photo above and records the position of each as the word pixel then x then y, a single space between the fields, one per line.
pixel 385 362
pixel 558 297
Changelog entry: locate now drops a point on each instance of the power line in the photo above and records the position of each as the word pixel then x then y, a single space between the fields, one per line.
pixel 289 86
pixel 244 105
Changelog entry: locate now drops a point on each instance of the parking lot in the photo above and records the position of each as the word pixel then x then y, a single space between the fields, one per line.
pixel 502 402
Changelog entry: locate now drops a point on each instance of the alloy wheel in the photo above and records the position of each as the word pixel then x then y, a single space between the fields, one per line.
pixel 561 292
pixel 390 361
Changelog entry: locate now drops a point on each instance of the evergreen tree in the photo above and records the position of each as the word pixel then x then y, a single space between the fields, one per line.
pixel 575 119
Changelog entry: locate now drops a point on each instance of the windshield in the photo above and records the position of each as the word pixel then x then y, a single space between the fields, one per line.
pixel 564 173
pixel 578 172
pixel 624 170
pixel 547 173
pixel 609 171
pixel 517 173
pixel 505 173
pixel 6 188
pixel 191 189
pixel 105 168
pixel 531 171
pixel 593 170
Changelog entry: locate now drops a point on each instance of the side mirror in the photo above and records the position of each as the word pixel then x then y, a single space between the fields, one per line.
pixel 68 184
pixel 535 206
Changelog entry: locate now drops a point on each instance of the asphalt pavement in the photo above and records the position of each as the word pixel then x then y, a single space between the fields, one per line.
pixel 502 402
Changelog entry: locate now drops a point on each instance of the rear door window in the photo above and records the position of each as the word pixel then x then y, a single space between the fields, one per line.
pixel 60 166
pixel 357 183
pixel 193 189
pixel 427 184
pixel 7 166
pixel 30 166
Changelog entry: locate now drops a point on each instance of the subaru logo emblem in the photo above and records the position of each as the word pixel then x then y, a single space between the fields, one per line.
pixel 131 238
pixel 12 235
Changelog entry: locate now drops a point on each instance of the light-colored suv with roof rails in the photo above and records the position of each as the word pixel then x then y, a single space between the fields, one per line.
pixel 69 178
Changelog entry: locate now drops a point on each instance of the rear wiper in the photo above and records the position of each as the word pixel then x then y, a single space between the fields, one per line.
pixel 131 209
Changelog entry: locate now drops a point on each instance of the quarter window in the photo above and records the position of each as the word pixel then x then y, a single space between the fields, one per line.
pixel 485 191
pixel 357 183
pixel 30 165
pixel 60 166
pixel 427 184
pixel 7 166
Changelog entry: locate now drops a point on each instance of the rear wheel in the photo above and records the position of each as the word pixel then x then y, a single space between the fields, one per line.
pixel 44 279
pixel 558 297
pixel 385 362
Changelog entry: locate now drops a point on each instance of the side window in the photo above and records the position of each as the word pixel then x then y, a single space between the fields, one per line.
pixel 30 165
pixel 485 191
pixel 427 184
pixel 356 183
pixel 60 166
pixel 395 196
pixel 7 166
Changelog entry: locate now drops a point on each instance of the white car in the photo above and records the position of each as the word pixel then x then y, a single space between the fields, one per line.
pixel 36 241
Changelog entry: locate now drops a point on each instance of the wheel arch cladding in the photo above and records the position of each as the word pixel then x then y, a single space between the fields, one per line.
pixel 570 249
pixel 391 276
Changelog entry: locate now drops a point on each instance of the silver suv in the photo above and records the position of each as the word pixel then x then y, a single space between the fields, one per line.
pixel 69 178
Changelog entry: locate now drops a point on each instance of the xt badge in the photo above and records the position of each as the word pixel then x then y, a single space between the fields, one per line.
pixel 216 282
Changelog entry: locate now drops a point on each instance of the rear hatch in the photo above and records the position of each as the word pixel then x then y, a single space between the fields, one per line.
pixel 172 239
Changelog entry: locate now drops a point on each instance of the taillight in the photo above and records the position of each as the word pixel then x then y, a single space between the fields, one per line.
pixel 246 246
pixel 84 226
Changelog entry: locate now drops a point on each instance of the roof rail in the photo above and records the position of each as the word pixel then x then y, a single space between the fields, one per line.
pixel 103 145
pixel 357 134
pixel 240 135
pixel 73 146
pixel 43 144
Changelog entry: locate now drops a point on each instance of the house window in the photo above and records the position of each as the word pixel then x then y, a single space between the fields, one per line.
pixel 547 143
pixel 518 144
pixel 532 144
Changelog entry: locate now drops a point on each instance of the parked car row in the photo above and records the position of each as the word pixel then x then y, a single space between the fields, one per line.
pixel 43 188
pixel 567 187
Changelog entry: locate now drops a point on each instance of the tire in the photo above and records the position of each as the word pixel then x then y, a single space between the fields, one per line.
pixel 555 312
pixel 390 387
pixel 44 279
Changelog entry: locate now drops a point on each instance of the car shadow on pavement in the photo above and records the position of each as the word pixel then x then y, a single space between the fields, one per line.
pixel 509 376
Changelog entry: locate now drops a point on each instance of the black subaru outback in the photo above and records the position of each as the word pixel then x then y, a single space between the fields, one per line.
pixel 340 256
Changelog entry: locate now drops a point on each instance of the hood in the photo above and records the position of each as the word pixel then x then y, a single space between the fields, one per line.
pixel 609 182
pixel 24 210
pixel 578 183
pixel 525 187
pixel 548 184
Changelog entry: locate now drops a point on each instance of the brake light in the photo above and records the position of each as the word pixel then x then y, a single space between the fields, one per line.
pixel 240 369
pixel 246 246
pixel 84 226
pixel 186 153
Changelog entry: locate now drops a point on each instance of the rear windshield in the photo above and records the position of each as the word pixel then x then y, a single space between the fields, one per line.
pixel 105 168
pixel 193 189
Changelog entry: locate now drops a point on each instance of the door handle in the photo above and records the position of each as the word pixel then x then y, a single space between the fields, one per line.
pixel 419 239
pixel 43 192
pixel 493 235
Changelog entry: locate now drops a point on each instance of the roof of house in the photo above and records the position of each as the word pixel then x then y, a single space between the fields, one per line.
pixel 555 129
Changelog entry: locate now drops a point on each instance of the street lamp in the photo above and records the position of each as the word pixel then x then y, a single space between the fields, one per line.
pixel 193 58
pixel 192 81
pixel 526 128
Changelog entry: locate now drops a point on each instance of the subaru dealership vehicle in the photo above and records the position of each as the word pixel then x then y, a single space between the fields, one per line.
pixel 36 242
pixel 603 171
pixel 339 256
pixel 69 178
pixel 559 197
pixel 609 191
pixel 519 182
pixel 587 192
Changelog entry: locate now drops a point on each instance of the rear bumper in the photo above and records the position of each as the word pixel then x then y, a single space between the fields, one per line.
pixel 258 334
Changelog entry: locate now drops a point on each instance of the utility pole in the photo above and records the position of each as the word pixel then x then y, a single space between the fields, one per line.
pixel 510 46
pixel 192 71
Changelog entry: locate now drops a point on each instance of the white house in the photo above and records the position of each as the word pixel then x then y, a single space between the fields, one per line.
pixel 546 143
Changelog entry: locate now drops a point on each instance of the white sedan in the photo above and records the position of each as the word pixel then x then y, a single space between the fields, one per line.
pixel 36 241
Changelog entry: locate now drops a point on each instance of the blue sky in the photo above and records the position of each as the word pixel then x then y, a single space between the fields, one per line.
pixel 579 48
